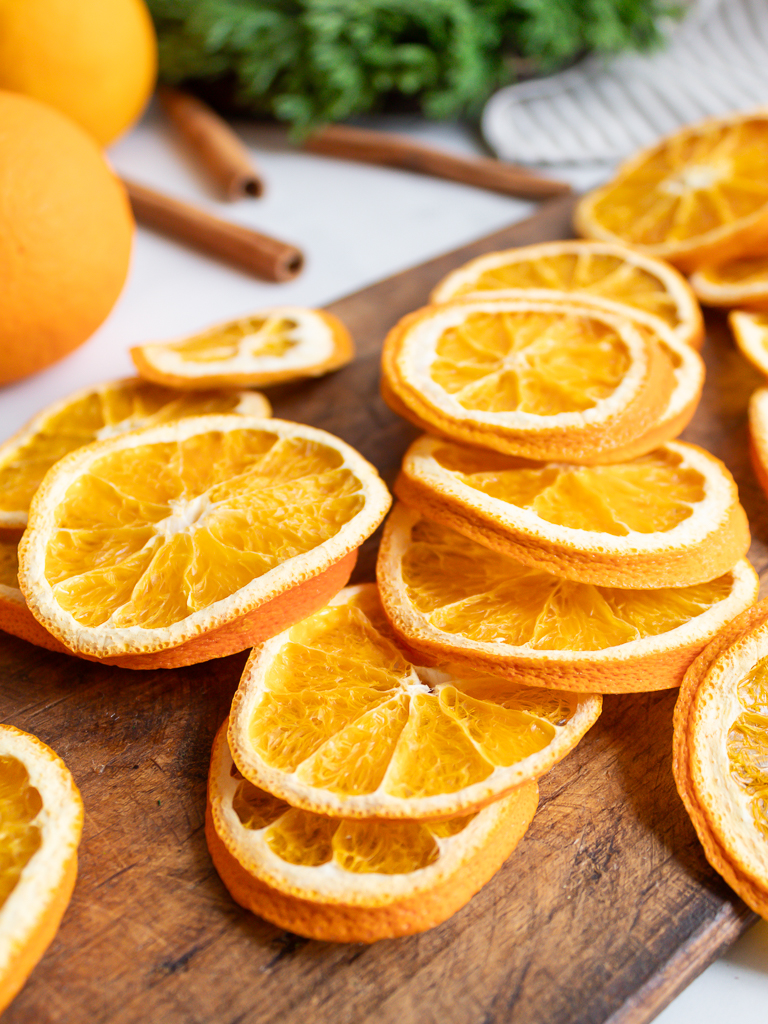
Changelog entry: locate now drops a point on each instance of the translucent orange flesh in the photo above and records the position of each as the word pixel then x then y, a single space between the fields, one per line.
pixel 361 847
pixel 467 590
pixel 543 363
pixel 20 838
pixel 154 533
pixel 250 336
pixel 747 743
pixel 104 413
pixel 345 710
pixel 9 564
pixel 647 495
pixel 745 271
pixel 601 274
pixel 700 180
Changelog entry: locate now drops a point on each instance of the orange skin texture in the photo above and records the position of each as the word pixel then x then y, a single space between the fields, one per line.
pixel 745 623
pixel 330 922
pixel 28 955
pixel 249 630
pixel 344 352
pixel 66 229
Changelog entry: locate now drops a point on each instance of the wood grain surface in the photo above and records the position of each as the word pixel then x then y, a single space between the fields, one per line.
pixel 605 911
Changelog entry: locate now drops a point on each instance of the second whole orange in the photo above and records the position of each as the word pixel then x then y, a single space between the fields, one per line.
pixel 65 236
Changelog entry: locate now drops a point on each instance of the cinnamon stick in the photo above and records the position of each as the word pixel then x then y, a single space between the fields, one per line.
pixel 215 145
pixel 397 151
pixel 259 254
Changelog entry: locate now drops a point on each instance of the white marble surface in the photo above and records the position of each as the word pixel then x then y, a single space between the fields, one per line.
pixel 356 224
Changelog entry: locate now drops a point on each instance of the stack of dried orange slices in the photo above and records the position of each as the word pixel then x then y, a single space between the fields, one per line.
pixel 356 794
pixel 552 530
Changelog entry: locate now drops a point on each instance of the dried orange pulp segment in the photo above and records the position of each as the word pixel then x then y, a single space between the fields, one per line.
pixel 751 333
pixel 739 282
pixel 274 345
pixel 695 197
pixel 754 895
pixel 352 881
pixel 535 379
pixel 453 599
pixel 334 717
pixel 727 741
pixel 41 819
pixel 612 275
pixel 149 540
pixel 94 413
pixel 668 519
pixel 15 617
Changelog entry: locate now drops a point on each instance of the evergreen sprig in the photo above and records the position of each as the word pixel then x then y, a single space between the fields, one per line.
pixel 312 61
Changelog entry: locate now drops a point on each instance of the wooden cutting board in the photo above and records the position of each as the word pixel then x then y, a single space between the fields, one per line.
pixel 605 911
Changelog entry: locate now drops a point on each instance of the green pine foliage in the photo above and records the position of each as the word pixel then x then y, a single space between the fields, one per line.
pixel 313 61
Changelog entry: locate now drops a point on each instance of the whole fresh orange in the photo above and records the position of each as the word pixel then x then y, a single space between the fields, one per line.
pixel 65 236
pixel 95 60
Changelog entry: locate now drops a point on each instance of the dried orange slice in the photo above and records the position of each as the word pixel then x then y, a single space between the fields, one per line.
pixel 334 717
pixel 751 333
pixel 668 519
pixel 613 276
pixel 41 819
pixel 698 196
pixel 741 282
pixel 721 741
pixel 195 538
pixel 535 379
pixel 96 412
pixel 453 599
pixel 277 344
pixel 352 881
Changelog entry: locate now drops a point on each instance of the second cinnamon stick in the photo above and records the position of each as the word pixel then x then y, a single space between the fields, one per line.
pixel 259 254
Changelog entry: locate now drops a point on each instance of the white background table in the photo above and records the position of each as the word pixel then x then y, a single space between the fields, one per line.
pixel 356 224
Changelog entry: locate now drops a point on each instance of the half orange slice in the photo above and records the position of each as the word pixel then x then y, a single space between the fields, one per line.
pixel 741 282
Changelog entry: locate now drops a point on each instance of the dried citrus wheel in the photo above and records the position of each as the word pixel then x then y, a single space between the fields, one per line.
pixel 211 532
pixel 668 519
pixel 613 276
pixel 696 197
pixel 277 344
pixel 723 755
pixel 535 379
pixel 334 717
pixel 352 881
pixel 453 599
pixel 751 333
pixel 745 624
pixel 96 412
pixel 15 617
pixel 41 818
pixel 758 435
pixel 741 282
